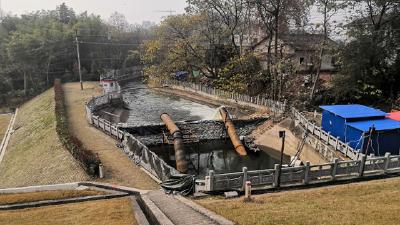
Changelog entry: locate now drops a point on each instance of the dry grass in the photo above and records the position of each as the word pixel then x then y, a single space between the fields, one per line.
pixel 35 155
pixel 4 121
pixel 107 212
pixel 118 168
pixel 45 195
pixel 373 202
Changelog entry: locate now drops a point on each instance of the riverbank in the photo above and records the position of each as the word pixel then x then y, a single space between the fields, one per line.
pixel 238 111
pixel 117 167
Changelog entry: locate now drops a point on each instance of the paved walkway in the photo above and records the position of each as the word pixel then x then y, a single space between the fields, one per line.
pixel 178 212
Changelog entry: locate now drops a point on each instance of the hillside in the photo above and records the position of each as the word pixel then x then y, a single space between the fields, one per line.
pixel 35 155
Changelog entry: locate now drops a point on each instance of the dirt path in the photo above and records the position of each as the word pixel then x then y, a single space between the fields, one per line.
pixel 269 139
pixel 118 168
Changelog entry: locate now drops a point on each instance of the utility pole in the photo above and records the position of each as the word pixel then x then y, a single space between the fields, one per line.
pixel 282 136
pixel 79 59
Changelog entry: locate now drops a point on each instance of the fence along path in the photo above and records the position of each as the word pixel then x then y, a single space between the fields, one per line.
pixel 259 100
pixel 317 131
pixel 133 148
pixel 303 175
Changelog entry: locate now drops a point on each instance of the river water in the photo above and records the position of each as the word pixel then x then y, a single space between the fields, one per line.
pixel 143 106
pixel 217 155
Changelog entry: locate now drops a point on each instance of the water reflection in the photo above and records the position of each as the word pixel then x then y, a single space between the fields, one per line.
pixel 218 155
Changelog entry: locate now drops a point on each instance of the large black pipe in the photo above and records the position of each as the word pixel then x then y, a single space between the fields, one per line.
pixel 180 154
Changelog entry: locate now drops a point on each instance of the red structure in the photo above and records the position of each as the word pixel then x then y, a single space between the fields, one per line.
pixel 394 115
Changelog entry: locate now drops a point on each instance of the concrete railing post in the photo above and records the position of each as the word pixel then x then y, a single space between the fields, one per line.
pixel 276 175
pixel 387 161
pixel 101 171
pixel 212 179
pixel 244 169
pixel 306 173
pixel 337 143
pixel 335 167
pixel 328 136
pixel 362 166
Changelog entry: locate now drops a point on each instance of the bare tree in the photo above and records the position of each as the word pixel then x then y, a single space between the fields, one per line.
pixel 276 15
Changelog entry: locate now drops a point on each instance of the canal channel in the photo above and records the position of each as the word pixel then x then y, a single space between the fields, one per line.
pixel 141 111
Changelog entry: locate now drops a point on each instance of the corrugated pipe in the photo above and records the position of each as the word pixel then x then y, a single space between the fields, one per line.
pixel 180 154
pixel 240 149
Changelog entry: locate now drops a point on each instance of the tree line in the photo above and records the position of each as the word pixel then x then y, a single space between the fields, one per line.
pixel 216 42
pixel 212 38
pixel 37 47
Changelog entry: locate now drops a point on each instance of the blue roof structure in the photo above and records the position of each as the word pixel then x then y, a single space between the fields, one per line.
pixel 380 125
pixel 353 111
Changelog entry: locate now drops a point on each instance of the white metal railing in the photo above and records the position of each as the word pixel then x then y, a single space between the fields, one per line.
pixel 275 106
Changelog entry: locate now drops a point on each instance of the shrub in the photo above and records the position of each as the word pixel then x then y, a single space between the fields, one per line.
pixel 88 160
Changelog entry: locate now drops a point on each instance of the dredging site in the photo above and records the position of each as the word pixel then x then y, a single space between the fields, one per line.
pixel 193 138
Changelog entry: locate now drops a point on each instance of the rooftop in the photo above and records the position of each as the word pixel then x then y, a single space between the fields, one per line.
pixel 380 125
pixel 394 116
pixel 353 111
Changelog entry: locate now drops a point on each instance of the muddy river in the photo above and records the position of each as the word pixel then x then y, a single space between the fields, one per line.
pixel 216 155
pixel 143 106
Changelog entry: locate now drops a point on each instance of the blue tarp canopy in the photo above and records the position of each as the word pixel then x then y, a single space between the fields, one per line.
pixel 353 111
pixel 380 125
pixel 181 74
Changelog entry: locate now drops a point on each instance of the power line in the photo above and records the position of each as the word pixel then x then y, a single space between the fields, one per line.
pixel 105 43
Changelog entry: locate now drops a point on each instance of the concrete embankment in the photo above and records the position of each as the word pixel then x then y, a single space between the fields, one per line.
pixel 269 139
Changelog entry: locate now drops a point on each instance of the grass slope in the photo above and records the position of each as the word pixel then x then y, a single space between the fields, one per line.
pixel 373 202
pixel 4 121
pixel 107 212
pixel 35 155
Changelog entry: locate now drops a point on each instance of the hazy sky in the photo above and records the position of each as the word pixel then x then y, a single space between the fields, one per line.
pixel 135 11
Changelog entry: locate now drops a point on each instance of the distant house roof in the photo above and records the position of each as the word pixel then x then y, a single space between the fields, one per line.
pixel 380 125
pixel 353 111
pixel 301 41
pixel 394 116
pixel 305 41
